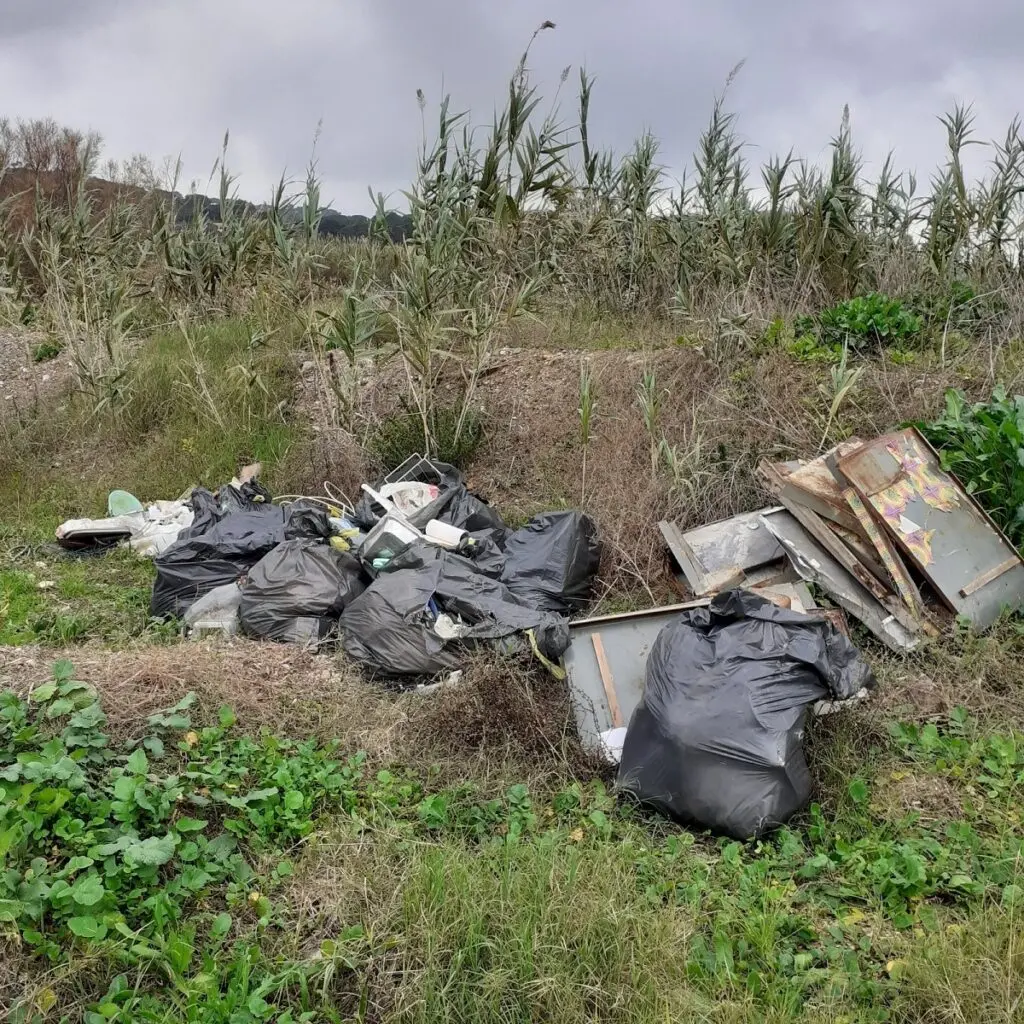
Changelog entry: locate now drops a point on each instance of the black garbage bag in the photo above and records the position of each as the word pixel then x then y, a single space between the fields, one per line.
pixel 553 560
pixel 391 628
pixel 297 591
pixel 717 739
pixel 221 547
pixel 468 512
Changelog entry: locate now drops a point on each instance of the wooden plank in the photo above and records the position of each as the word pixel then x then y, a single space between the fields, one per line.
pixel 897 570
pixel 668 609
pixel 817 566
pixel 814 485
pixel 987 577
pixel 938 525
pixel 868 557
pixel 823 535
pixel 685 557
pixel 607 681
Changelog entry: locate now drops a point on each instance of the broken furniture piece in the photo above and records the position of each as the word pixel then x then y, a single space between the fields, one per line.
pixel 892 538
pixel 942 530
pixel 735 552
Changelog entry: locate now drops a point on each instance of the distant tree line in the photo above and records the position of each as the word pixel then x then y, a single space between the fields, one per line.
pixel 42 146
pixel 332 223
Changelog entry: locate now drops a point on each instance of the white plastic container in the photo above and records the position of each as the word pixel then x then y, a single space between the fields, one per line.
pixel 390 534
pixel 444 534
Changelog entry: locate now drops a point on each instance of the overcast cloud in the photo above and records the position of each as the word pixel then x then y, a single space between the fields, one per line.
pixel 169 76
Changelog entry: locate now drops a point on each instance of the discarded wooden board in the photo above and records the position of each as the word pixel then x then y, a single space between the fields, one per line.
pixel 817 566
pixel 606 662
pixel 721 555
pixel 815 486
pixel 795 596
pixel 970 564
pixel 890 556
pixel 825 538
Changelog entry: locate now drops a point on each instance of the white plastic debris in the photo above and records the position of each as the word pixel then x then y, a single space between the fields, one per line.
pixel 612 741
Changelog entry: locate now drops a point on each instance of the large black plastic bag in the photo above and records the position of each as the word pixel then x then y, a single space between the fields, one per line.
pixel 197 562
pixel 552 561
pixel 717 739
pixel 390 627
pixel 297 591
pixel 221 547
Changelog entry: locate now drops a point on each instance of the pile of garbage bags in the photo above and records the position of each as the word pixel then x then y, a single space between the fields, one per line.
pixel 717 738
pixel 419 570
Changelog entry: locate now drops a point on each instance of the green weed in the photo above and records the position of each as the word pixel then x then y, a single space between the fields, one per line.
pixel 983 444
pixel 865 321
pixel 394 439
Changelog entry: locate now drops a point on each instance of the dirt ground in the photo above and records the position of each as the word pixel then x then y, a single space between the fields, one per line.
pixel 505 714
pixel 25 384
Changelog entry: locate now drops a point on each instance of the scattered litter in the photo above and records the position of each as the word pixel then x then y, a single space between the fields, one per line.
pixel 121 503
pixel 717 738
pixel 148 531
pixel 612 741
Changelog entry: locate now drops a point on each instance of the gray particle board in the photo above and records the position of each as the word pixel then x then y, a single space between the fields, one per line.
pixel 626 640
pixel 817 566
pixel 708 553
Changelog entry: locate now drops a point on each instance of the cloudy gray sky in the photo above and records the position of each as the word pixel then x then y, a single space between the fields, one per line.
pixel 169 76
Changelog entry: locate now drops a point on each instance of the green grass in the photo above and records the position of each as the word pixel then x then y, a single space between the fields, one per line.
pixel 253 879
pixel 188 416
pixel 50 598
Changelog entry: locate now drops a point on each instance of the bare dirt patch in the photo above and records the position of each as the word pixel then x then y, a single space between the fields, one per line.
pixel 26 385
pixel 930 796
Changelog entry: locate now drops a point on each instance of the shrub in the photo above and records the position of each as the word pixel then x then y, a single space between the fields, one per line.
pixel 872 319
pixel 983 444
pixel 401 435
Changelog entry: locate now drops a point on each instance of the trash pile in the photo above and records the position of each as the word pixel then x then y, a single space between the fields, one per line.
pixel 417 571
pixel 703 704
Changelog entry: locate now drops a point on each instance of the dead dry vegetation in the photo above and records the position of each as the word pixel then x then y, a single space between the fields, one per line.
pixel 573 333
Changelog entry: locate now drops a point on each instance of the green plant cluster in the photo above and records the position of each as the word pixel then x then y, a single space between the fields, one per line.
pixel 983 445
pixel 863 322
pixel 124 847
pixel 161 857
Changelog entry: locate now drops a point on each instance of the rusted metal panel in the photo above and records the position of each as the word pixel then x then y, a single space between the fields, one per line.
pixel 815 486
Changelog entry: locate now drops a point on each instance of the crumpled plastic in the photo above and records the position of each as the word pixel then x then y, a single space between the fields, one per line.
pixel 717 739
